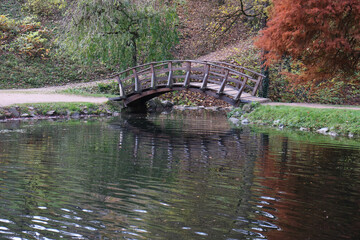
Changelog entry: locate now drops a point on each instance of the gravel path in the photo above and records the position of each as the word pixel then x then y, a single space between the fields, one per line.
pixel 8 98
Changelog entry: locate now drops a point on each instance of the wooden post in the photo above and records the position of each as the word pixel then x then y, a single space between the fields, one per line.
pixel 170 80
pixel 153 77
pixel 260 78
pixel 238 95
pixel 206 76
pixel 121 88
pixel 137 82
pixel 223 84
pixel 188 72
pixel 238 84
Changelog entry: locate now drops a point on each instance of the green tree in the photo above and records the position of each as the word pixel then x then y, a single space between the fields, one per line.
pixel 120 33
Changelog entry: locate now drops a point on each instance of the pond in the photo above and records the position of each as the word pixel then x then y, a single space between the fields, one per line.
pixel 174 177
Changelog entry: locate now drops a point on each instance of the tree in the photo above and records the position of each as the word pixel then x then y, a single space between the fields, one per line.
pixel 120 33
pixel 252 11
pixel 322 35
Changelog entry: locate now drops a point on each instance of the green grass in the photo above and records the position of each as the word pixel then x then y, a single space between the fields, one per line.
pixel 63 109
pixel 338 120
pixel 59 108
pixel 18 72
pixel 84 92
pixel 108 90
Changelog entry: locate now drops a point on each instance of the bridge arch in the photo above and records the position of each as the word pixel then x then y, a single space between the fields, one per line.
pixel 230 83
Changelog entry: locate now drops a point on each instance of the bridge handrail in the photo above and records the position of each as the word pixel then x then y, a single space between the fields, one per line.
pixel 193 61
pixel 237 66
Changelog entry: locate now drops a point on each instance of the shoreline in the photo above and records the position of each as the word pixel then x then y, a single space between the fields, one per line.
pixel 337 121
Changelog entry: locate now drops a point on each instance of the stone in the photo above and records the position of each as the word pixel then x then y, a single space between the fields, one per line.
pixel 167 104
pixel 192 108
pixel 179 108
pixel 323 130
pixel 247 108
pixel 75 115
pixel 245 121
pixel 50 113
pixel 24 115
pixel 350 135
pixel 14 112
pixel 276 122
pixel 333 134
pixel 116 114
pixel 304 129
pixel 234 120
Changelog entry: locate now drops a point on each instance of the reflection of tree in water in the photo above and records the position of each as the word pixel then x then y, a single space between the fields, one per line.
pixel 312 188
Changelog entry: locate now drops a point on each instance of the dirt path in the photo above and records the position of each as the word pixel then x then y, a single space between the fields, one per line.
pixel 8 98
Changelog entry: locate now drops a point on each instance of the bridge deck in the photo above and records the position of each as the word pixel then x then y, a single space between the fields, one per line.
pixel 245 97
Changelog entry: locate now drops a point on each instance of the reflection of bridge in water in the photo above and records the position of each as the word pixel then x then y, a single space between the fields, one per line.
pixel 193 149
pixel 190 144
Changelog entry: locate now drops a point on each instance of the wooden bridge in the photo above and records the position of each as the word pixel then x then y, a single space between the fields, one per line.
pixel 230 83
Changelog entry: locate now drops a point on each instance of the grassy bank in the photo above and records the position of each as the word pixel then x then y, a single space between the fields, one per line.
pixel 339 121
pixel 74 110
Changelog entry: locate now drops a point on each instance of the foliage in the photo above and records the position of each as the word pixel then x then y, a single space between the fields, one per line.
pixel 24 37
pixel 119 33
pixel 322 34
pixel 248 56
pixel 44 7
pixel 18 72
pixel 338 120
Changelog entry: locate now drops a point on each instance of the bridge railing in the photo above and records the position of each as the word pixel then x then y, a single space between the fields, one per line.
pixel 189 73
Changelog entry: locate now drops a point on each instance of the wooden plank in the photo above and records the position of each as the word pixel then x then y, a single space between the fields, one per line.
pixel 188 72
pixel 260 78
pixel 137 82
pixel 237 97
pixel 222 87
pixel 206 76
pixel 170 80
pixel 153 77
pixel 121 88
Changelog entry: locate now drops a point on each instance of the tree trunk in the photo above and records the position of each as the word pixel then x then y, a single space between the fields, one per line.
pixel 134 51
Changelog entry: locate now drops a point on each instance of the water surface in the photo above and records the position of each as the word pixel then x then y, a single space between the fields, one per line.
pixel 173 177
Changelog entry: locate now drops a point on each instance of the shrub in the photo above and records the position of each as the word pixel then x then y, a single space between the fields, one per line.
pixel 24 37
pixel 44 7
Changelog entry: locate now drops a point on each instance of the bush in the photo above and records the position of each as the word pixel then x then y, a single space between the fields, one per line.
pixel 44 7
pixel 23 37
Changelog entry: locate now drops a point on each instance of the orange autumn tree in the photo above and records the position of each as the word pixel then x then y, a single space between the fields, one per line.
pixel 323 35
